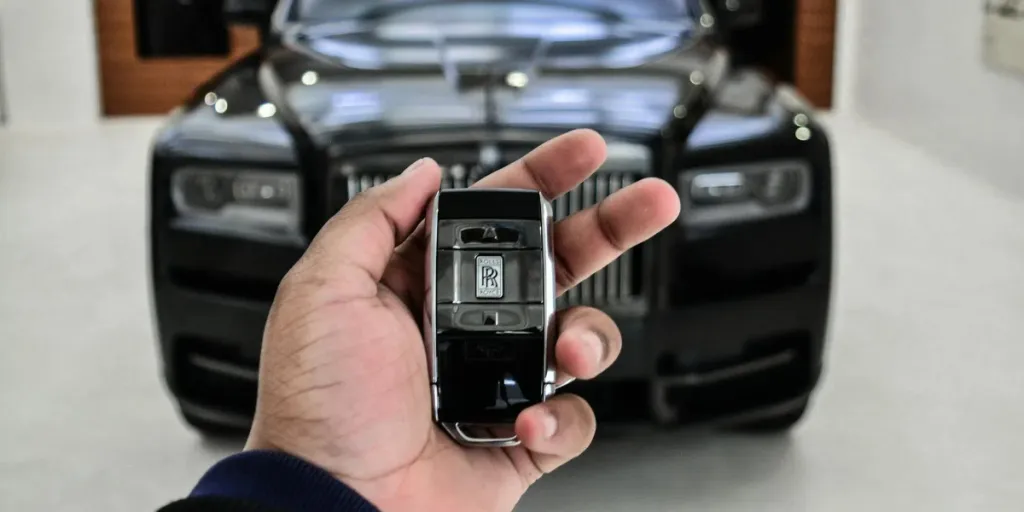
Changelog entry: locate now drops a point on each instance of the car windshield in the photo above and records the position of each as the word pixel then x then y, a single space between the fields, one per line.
pixel 492 17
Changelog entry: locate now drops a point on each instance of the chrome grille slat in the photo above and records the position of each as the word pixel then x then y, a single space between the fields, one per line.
pixel 353 187
pixel 561 208
pixel 458 174
pixel 612 285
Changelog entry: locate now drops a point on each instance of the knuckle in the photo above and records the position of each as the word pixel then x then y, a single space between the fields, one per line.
pixel 601 324
pixel 608 230
pixel 357 206
pixel 540 180
pixel 583 312
pixel 289 282
pixel 584 422
pixel 593 319
pixel 564 275
pixel 612 332
pixel 568 316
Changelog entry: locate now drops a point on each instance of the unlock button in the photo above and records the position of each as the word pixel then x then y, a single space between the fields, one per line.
pixel 496 317
pixel 491 318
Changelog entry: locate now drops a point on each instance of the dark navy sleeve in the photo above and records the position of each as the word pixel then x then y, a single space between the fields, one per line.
pixel 265 481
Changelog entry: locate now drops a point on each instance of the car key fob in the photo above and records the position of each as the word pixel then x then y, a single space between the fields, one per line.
pixel 489 310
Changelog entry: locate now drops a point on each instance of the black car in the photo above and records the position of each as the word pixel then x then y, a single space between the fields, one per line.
pixel 724 315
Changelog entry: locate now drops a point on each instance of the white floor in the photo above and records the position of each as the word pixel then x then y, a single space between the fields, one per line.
pixel 922 406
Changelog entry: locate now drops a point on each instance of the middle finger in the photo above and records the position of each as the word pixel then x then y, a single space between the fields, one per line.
pixel 589 240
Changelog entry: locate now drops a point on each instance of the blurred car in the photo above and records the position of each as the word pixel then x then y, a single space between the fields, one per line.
pixel 724 314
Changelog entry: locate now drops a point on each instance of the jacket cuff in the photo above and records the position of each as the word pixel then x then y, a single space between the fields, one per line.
pixel 281 481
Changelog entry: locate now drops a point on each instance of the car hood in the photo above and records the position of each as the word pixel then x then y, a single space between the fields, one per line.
pixel 255 110
pixel 354 85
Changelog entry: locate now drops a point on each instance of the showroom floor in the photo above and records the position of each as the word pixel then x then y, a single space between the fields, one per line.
pixel 922 406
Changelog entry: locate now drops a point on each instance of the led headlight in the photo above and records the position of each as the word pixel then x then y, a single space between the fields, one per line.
pixel 246 203
pixel 733 194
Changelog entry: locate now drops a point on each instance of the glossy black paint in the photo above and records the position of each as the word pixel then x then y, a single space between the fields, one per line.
pixel 714 299
pixel 489 379
pixel 487 373
pixel 482 205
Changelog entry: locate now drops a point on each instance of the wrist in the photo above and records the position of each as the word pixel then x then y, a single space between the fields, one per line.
pixel 277 479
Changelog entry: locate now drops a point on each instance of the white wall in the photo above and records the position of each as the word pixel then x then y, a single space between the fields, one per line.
pixel 918 73
pixel 49 63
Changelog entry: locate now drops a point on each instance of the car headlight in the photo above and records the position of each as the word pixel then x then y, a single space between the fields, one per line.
pixel 246 203
pixel 733 194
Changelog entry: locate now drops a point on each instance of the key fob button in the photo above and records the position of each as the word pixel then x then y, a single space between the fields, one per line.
pixel 479 317
pixel 489 234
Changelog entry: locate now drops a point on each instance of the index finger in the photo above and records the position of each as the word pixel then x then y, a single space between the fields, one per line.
pixel 553 168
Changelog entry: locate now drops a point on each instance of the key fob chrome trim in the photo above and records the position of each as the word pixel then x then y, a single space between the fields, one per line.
pixel 489 313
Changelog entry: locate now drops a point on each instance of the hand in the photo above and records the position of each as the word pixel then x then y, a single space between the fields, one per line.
pixel 343 375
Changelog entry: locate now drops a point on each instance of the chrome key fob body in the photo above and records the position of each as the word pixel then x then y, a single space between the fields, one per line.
pixel 489 310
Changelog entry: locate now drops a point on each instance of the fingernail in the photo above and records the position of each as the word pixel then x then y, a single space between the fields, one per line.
pixel 594 344
pixel 550 425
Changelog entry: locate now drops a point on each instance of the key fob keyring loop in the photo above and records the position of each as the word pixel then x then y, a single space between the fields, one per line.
pixel 489 310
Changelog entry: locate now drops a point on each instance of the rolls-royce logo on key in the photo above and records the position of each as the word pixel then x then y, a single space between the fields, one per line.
pixel 489 277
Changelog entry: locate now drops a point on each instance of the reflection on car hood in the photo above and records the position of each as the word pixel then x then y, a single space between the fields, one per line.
pixel 354 84
pixel 423 102
pixel 241 114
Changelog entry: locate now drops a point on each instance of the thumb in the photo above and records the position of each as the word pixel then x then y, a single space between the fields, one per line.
pixel 365 232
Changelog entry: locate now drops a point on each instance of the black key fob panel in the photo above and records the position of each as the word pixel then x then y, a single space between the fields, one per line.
pixel 489 312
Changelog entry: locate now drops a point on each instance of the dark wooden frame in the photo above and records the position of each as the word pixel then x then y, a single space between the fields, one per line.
pixel 130 85
pixel 815 48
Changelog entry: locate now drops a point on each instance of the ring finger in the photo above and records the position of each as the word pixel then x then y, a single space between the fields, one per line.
pixel 588 343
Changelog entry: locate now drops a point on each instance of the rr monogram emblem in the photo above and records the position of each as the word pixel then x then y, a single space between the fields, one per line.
pixel 490 277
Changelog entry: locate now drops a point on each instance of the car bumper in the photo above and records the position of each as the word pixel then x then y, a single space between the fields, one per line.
pixel 689 364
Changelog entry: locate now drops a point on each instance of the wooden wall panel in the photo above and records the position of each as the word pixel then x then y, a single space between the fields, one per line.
pixel 130 85
pixel 815 50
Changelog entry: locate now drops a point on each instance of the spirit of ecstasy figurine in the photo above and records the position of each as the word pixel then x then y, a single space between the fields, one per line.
pixel 489 312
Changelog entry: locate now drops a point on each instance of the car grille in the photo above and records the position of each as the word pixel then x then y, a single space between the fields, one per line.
pixel 618 284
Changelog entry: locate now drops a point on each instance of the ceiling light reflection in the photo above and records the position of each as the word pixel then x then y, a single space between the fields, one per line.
pixel 310 78
pixel 266 110
pixel 517 79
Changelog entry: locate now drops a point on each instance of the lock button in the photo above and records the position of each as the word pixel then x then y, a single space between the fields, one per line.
pixel 489 234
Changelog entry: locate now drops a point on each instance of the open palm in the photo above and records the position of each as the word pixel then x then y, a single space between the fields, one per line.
pixel 343 374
